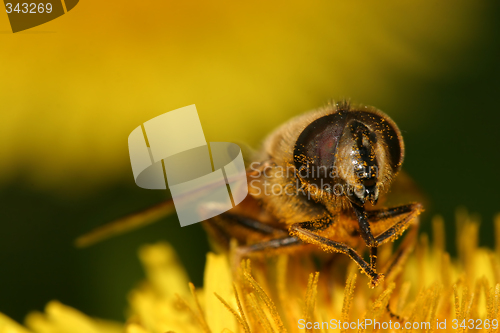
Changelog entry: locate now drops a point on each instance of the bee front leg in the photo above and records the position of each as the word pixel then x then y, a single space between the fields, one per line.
pixel 366 234
pixel 305 233
pixel 400 218
pixel 395 221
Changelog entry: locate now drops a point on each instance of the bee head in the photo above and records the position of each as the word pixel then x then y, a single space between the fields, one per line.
pixel 351 152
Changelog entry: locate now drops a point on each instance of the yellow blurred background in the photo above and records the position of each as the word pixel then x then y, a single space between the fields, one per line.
pixel 72 90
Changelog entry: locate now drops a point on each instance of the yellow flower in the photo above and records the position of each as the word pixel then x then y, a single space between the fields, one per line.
pixel 429 292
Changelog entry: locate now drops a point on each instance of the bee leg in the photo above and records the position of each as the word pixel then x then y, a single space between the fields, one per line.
pixel 366 234
pixel 379 215
pixel 397 260
pixel 240 252
pixel 400 218
pixel 300 230
pixel 406 215
pixel 275 244
pixel 255 225
pixel 373 258
pixel 219 228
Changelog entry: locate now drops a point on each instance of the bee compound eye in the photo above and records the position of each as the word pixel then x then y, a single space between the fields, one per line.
pixel 316 146
pixel 386 133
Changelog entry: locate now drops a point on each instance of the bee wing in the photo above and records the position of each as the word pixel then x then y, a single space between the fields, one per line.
pixel 144 217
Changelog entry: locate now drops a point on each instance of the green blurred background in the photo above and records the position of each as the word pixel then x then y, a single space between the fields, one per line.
pixel 73 89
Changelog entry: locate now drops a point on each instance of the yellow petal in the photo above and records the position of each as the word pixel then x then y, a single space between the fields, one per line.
pixel 218 280
pixel 8 325
pixel 164 271
pixel 60 318
pixel 134 328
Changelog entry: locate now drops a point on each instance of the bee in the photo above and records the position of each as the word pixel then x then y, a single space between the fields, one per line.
pixel 320 180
